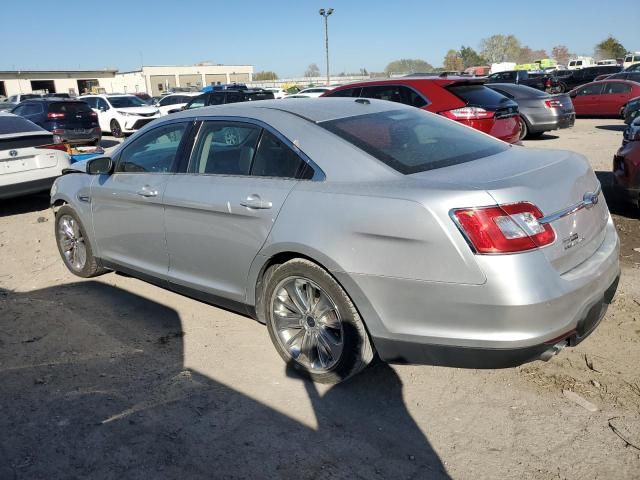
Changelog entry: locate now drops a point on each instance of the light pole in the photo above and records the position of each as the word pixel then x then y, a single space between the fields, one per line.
pixel 325 14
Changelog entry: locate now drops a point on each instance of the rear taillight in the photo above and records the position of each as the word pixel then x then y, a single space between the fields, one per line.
pixel 507 228
pixel 56 146
pixel 553 103
pixel 468 113
pixel 55 115
pixel 547 83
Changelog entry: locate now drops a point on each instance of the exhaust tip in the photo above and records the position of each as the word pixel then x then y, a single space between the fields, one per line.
pixel 552 351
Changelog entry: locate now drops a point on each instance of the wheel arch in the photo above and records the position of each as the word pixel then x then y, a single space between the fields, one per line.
pixel 278 254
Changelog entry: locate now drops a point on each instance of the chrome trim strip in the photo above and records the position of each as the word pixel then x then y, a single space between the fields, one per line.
pixel 588 201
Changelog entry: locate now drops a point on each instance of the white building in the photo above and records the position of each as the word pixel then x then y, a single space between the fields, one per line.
pixel 149 79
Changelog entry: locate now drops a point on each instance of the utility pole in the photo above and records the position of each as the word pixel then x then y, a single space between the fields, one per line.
pixel 325 13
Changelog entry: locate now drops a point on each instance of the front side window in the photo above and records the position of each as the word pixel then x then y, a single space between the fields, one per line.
pixel 102 104
pixel 224 148
pixel 275 159
pixel 153 152
pixel 91 101
pixel 594 89
pixel 347 92
pixel 197 102
pixel 412 141
pixel 394 93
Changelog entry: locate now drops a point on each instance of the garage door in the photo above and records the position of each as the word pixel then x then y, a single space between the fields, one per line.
pixel 216 78
pixel 239 77
pixel 161 83
pixel 190 81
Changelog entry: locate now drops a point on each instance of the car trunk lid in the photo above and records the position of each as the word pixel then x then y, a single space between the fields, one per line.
pixel 561 184
pixel 20 154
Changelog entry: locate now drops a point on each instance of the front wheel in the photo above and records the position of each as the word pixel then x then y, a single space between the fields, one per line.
pixel 116 130
pixel 74 246
pixel 313 323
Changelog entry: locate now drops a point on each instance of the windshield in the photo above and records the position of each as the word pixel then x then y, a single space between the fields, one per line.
pixel 414 141
pixel 124 102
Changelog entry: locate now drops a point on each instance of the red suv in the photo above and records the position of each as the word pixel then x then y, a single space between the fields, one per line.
pixel 463 99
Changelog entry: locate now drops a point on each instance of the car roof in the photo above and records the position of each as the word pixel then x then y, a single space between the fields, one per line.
pixel 442 81
pixel 312 109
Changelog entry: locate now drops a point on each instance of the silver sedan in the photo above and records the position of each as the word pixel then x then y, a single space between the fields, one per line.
pixel 353 227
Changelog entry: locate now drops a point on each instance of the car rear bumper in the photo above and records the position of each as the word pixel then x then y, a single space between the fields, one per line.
pixel 487 326
pixel 26 188
pixel 544 123
pixel 84 136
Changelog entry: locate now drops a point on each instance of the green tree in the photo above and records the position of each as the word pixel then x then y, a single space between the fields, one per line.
pixel 408 65
pixel 560 53
pixel 471 58
pixel 500 48
pixel 453 61
pixel 264 75
pixel 610 48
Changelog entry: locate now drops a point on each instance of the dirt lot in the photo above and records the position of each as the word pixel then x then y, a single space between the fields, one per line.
pixel 115 378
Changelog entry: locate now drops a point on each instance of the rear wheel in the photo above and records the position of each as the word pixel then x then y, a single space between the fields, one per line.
pixel 116 130
pixel 524 129
pixel 312 322
pixel 74 246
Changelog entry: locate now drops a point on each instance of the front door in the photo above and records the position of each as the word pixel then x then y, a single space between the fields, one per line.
pixel 128 215
pixel 586 102
pixel 614 96
pixel 219 214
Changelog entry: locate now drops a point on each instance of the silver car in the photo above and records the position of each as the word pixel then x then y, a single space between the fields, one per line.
pixel 353 227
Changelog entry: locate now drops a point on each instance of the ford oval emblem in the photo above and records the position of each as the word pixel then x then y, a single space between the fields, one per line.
pixel 13 153
pixel 590 199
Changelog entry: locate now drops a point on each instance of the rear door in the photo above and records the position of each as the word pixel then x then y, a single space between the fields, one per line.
pixel 614 96
pixel 128 214
pixel 219 213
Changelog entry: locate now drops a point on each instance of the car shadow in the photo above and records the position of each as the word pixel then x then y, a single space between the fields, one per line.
pixel 544 136
pixel 613 128
pixel 617 205
pixel 94 386
pixel 26 204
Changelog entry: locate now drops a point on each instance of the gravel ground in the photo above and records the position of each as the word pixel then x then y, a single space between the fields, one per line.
pixel 116 378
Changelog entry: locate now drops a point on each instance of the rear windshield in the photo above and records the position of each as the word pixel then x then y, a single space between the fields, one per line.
pixel 13 124
pixel 412 141
pixel 69 107
pixel 477 95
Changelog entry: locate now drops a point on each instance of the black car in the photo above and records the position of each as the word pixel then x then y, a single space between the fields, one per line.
pixel 634 76
pixel 219 97
pixel 522 77
pixel 567 80
pixel 70 121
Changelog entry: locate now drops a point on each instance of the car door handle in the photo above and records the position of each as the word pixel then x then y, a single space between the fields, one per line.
pixel 147 192
pixel 256 203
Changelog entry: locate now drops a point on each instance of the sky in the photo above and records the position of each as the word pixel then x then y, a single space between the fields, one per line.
pixel 286 37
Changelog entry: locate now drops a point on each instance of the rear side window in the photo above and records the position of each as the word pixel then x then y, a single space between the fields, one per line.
pixel 477 95
pixel 69 107
pixel 412 141
pixel 610 88
pixel 275 159
pixel 394 93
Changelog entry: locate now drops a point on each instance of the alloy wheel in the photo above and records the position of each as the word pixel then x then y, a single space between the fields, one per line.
pixel 307 323
pixel 72 242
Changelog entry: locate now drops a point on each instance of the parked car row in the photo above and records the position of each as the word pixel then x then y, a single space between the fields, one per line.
pixel 626 165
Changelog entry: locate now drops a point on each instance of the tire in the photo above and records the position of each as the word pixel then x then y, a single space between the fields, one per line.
pixel 74 246
pixel 524 128
pixel 116 130
pixel 327 343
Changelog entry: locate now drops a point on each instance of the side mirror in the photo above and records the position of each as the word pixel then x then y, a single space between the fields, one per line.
pixel 100 166
pixel 573 94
